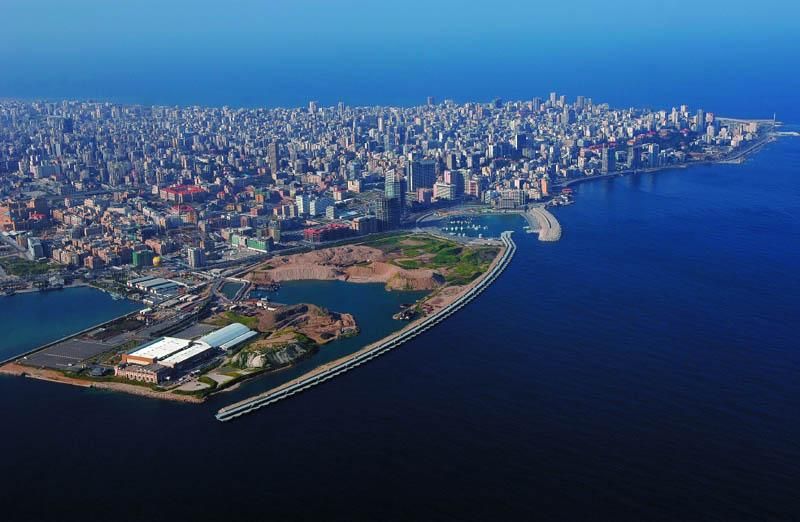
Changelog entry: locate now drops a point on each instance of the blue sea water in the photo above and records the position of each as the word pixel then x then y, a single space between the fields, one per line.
pixel 645 367
pixel 30 320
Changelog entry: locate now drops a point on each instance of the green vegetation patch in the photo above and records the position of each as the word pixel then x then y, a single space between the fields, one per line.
pixel 459 264
pixel 226 318
pixel 24 268
pixel 410 245
pixel 208 380
pixel 470 264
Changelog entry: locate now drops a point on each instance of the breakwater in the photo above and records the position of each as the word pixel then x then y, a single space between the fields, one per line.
pixel 370 352
pixel 549 227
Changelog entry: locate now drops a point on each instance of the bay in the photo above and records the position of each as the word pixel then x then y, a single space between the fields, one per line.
pixel 643 368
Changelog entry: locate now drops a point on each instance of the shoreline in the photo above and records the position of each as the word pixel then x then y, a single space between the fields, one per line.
pixel 549 230
pixel 12 366
pixel 343 364
pixel 735 159
pixel 17 370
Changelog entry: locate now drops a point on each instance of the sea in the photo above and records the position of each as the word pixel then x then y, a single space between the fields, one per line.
pixel 645 367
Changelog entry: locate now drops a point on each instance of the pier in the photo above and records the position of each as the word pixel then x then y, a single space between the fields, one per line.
pixel 549 227
pixel 368 353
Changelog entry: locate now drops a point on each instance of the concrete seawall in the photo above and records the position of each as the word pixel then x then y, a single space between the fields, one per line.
pixel 66 338
pixel 368 353
pixel 549 227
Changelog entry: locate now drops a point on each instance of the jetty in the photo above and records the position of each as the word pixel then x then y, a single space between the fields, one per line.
pixel 548 226
pixel 331 370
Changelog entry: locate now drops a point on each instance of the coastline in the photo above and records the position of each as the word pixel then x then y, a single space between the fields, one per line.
pixel 343 364
pixel 11 366
pixel 17 370
pixel 735 159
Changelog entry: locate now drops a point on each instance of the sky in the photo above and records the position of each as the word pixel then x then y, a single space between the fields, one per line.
pixel 280 52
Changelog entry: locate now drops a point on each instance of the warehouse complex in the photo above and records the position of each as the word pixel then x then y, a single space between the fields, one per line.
pixel 159 360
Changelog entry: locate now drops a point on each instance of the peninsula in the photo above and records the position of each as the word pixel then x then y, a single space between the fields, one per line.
pixel 201 214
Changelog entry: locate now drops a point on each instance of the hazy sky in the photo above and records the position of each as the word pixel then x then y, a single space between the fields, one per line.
pixel 271 52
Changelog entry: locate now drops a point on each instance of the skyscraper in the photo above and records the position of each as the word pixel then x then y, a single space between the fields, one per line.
pixel 394 187
pixel 608 161
pixel 197 257
pixel 700 120
pixel 653 151
pixel 634 155
pixel 421 174
pixel 274 158
pixel 388 212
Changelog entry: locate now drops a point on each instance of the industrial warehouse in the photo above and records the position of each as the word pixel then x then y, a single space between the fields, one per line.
pixel 164 358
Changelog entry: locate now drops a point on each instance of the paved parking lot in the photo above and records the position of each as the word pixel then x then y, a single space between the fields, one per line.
pixel 196 330
pixel 68 353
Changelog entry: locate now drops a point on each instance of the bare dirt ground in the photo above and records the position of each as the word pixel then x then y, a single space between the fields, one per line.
pixel 312 321
pixel 353 263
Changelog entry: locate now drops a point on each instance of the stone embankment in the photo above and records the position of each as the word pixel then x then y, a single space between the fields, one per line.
pixel 549 227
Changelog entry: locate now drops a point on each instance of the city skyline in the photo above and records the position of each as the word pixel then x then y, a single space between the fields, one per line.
pixel 425 260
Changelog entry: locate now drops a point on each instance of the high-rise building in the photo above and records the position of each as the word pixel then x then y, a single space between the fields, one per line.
pixel 421 174
pixel 653 151
pixel 567 116
pixel 444 190
pixel 634 156
pixel 394 186
pixel 608 161
pixel 451 160
pixel 700 120
pixel 318 206
pixel 196 257
pixel 303 204
pixel 520 142
pixel 274 158
pixel 388 212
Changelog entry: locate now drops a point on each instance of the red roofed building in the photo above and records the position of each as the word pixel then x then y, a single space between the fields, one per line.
pixel 327 232
pixel 183 193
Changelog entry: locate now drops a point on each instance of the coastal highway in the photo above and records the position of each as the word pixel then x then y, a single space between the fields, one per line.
pixel 357 359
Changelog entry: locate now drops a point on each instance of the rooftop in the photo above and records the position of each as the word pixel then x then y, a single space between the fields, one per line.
pixel 161 348
pixel 224 335
pixel 183 355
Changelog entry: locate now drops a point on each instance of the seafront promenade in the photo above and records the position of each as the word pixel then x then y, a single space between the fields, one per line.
pixel 331 370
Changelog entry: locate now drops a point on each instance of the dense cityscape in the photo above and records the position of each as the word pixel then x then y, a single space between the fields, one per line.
pixel 362 261
pixel 201 213
pixel 92 186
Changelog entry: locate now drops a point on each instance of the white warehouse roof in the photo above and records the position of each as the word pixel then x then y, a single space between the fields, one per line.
pixel 239 340
pixel 161 348
pixel 224 335
pixel 183 355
